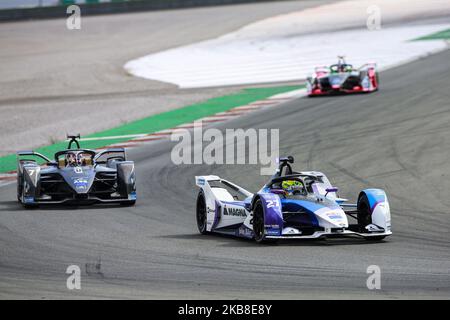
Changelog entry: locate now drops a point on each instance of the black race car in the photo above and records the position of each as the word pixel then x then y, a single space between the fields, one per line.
pixel 75 176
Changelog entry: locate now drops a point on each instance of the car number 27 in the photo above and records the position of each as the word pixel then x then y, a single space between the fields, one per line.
pixel 272 203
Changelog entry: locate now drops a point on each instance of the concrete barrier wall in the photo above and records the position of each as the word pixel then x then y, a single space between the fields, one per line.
pixel 112 7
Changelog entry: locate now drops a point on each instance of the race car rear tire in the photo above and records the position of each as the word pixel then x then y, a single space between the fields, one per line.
pixel 365 217
pixel 201 213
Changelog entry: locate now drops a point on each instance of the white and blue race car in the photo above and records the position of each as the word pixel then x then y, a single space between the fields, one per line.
pixel 291 205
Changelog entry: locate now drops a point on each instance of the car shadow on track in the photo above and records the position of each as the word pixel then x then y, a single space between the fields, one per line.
pixel 231 241
pixel 16 206
pixel 343 94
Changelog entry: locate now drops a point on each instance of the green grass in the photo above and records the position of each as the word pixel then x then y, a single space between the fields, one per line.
pixel 441 35
pixel 160 121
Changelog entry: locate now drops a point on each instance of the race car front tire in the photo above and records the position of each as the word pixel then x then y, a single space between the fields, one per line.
pixel 20 195
pixel 365 217
pixel 258 224
pixel 258 221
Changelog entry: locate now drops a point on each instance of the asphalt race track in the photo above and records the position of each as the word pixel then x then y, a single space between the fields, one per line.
pixel 397 139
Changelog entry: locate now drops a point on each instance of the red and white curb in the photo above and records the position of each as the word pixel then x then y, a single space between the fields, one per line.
pixel 138 140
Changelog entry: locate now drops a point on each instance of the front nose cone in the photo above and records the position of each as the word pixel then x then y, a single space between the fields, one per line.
pixel 332 218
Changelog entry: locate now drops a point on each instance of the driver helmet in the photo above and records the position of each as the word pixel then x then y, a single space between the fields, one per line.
pixel 291 186
pixel 82 159
pixel 71 159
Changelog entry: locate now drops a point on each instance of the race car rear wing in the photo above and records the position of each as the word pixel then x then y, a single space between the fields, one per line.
pixel 210 183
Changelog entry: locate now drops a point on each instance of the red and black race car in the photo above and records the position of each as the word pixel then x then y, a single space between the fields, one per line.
pixel 342 78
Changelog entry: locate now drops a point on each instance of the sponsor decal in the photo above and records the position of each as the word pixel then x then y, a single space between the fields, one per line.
pixel 244 231
pixel 201 182
pixel 28 200
pixel 273 226
pixel 80 183
pixel 290 230
pixel 271 232
pixel 333 216
pixel 234 212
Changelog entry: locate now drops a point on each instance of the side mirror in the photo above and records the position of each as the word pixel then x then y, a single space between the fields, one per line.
pixel 52 163
pixel 332 189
